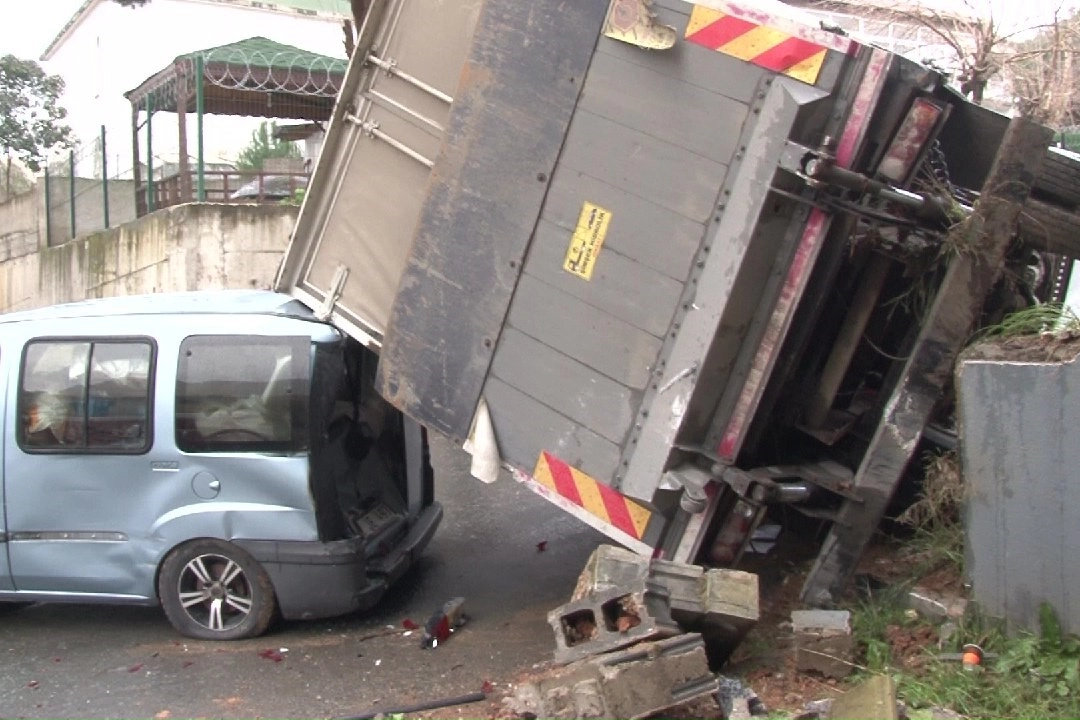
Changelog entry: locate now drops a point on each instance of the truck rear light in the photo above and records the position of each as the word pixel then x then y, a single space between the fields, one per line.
pixel 910 141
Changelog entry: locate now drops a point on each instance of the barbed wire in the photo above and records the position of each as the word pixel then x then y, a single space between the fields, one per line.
pixel 285 71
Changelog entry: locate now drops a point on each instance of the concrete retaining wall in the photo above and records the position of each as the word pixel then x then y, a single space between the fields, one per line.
pixel 22 222
pixel 1020 430
pixel 186 247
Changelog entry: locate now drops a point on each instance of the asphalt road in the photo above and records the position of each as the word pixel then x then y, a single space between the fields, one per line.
pixel 96 661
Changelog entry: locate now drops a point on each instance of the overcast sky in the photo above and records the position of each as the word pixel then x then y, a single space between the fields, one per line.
pixel 28 27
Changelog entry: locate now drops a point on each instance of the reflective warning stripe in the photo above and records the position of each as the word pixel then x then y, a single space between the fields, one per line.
pixel 592 495
pixel 767 47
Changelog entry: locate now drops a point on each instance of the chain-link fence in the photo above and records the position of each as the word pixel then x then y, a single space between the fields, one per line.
pixel 85 192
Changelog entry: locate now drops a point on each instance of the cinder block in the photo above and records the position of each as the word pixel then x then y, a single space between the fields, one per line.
pixel 823 641
pixel 721 604
pixel 632 683
pixel 611 619
pixel 609 567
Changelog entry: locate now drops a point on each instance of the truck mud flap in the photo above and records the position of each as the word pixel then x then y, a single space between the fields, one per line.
pixel 494 164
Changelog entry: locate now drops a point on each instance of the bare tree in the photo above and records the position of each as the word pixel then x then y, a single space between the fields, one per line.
pixel 1043 73
pixel 1035 59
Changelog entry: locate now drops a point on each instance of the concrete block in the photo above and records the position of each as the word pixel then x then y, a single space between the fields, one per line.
pixel 874 699
pixel 611 619
pixel 721 604
pixel 823 641
pixel 608 567
pixel 632 683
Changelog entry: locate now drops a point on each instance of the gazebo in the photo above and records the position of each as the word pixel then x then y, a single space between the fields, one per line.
pixel 256 77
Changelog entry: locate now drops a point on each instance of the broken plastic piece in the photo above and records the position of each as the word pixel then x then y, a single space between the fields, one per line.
pixel 482 446
pixel 631 21
pixel 446 619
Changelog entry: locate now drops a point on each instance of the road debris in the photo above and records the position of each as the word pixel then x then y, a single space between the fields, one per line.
pixel 630 683
pixel 823 642
pixel 736 699
pixel 611 619
pixel 417 707
pixel 722 605
pixel 271 654
pixel 445 621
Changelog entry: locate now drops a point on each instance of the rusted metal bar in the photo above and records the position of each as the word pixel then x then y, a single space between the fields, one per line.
pixel 968 280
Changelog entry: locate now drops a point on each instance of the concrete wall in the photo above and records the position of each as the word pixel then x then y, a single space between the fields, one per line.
pixel 22 223
pixel 1020 424
pixel 186 247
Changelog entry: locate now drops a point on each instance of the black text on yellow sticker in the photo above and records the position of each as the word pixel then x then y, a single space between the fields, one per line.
pixel 586 241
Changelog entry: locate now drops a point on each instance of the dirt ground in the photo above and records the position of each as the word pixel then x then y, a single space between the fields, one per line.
pixel 765 660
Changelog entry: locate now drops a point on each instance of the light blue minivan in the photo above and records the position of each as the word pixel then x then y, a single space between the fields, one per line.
pixel 222 454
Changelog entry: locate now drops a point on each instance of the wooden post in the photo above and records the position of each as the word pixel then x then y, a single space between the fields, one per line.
pixel 182 94
pixel 140 201
pixel 981 242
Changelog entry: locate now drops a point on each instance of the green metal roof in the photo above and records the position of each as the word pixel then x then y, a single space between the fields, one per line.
pixel 260 52
pixel 328 7
pixel 255 77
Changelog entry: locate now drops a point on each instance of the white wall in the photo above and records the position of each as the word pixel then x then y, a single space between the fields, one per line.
pixel 197 246
pixel 116 48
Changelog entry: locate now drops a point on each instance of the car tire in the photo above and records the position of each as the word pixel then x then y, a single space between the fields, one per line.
pixel 213 590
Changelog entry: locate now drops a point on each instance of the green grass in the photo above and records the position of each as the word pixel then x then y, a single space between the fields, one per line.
pixel 1024 676
pixel 1049 317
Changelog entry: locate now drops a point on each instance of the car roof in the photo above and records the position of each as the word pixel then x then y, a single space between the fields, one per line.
pixel 262 302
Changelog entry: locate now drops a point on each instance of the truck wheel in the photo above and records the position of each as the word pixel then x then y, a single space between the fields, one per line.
pixel 212 590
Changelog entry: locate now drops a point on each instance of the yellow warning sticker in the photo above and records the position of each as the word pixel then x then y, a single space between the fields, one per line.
pixel 585 243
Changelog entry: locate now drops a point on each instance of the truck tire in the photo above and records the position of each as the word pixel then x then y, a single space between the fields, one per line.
pixel 213 590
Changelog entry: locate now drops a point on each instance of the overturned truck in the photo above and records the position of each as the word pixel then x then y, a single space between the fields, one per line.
pixel 669 264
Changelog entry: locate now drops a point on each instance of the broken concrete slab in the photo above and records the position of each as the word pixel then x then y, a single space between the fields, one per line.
pixel 722 604
pixel 611 619
pixel 631 683
pixel 874 699
pixel 823 641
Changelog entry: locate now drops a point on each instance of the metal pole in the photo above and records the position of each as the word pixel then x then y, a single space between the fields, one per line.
pixel 48 209
pixel 200 100
pixel 104 178
pixel 71 185
pixel 149 155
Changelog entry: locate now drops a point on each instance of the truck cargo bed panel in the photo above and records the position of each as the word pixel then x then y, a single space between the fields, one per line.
pixel 507 126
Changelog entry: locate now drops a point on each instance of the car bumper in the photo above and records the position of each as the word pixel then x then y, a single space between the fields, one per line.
pixel 318 580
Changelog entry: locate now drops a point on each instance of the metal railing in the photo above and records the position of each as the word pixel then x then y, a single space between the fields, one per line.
pixel 225 187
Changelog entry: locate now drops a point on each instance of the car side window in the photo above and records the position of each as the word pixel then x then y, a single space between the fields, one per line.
pixel 243 393
pixel 86 396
